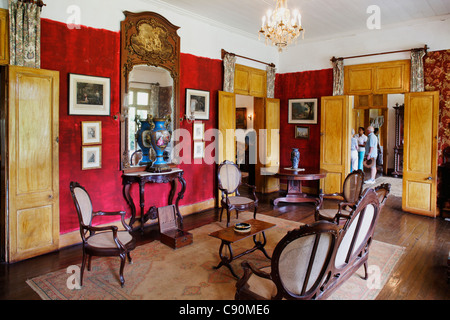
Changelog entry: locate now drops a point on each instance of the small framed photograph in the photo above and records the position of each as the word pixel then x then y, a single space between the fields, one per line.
pixel 198 131
pixel 91 132
pixel 197 104
pixel 241 118
pixel 199 149
pixel 91 157
pixel 302 111
pixel 89 96
pixel 301 132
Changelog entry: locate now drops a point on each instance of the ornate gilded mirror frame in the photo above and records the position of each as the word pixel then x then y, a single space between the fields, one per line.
pixel 147 38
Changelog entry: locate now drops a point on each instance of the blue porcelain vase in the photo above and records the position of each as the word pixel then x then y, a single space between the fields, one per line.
pixel 142 137
pixel 159 138
pixel 295 158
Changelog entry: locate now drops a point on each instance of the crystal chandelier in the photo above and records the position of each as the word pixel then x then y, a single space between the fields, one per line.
pixel 279 28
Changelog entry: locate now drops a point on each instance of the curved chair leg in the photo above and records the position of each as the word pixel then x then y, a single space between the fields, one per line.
pixel 122 265
pixel 220 217
pixel 254 212
pixel 83 265
pixel 366 274
pixel 228 217
pixel 130 261
pixel 89 262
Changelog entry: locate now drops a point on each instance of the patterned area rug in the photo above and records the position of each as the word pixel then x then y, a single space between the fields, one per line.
pixel 161 273
pixel 396 185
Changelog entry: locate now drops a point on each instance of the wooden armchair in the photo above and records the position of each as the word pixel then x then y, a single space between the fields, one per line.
pixel 311 262
pixel 352 189
pixel 100 241
pixel 299 266
pixel 230 179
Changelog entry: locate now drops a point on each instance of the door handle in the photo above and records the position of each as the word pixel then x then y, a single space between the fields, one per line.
pixel 429 178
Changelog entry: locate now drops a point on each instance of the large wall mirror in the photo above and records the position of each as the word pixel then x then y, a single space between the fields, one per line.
pixel 150 64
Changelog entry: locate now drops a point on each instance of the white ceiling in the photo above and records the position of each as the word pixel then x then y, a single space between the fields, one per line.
pixel 320 18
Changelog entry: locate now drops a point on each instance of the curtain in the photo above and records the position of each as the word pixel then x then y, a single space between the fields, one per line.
pixel 271 71
pixel 229 63
pixel 338 77
pixel 25 34
pixel 417 74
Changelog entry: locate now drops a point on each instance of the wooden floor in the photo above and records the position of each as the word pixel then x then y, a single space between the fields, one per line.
pixel 421 274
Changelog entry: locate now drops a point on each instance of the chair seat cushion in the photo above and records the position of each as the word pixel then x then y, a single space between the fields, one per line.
pixel 331 213
pixel 261 286
pixel 237 201
pixel 106 240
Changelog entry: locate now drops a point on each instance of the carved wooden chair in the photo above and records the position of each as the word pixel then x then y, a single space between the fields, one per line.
pixel 230 179
pixel 352 189
pixel 298 268
pixel 311 262
pixel 100 241
pixel 382 192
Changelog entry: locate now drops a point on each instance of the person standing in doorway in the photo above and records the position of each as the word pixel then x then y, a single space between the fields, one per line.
pixel 371 154
pixel 362 139
pixel 354 152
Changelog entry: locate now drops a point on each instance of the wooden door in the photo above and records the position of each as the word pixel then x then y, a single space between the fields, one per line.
pixel 335 134
pixel 33 170
pixel 266 123
pixel 420 153
pixel 227 128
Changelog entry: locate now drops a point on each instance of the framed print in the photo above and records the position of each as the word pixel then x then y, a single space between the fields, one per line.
pixel 303 111
pixel 91 157
pixel 91 132
pixel 89 96
pixel 198 131
pixel 199 149
pixel 197 104
pixel 241 118
pixel 301 132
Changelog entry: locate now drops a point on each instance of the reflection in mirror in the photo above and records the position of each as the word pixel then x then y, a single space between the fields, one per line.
pixel 150 93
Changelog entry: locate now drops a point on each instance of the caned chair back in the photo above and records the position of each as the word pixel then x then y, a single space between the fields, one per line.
pixel 353 185
pixel 229 176
pixel 301 259
pixel 358 230
pixel 82 202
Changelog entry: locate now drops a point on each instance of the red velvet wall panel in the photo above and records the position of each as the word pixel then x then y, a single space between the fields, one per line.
pixel 301 85
pixel 97 52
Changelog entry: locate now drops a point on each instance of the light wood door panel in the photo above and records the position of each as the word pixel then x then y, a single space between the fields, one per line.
pixel 420 153
pixel 392 77
pixel 273 144
pixel 33 162
pixel 241 80
pixel 334 141
pixel 227 126
pixel 358 80
pixel 258 83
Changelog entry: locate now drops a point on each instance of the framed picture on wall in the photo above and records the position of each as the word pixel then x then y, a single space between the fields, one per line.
pixel 91 157
pixel 301 132
pixel 241 118
pixel 197 104
pixel 302 111
pixel 89 96
pixel 198 131
pixel 199 149
pixel 91 132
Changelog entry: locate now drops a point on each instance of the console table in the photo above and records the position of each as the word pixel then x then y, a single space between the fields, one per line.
pixel 144 177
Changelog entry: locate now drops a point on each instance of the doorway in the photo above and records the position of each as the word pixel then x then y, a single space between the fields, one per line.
pixel 384 119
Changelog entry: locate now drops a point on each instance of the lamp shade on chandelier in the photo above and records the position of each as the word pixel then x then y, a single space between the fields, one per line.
pixel 279 28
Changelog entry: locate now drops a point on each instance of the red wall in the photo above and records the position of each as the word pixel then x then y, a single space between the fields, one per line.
pixel 301 85
pixel 96 52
